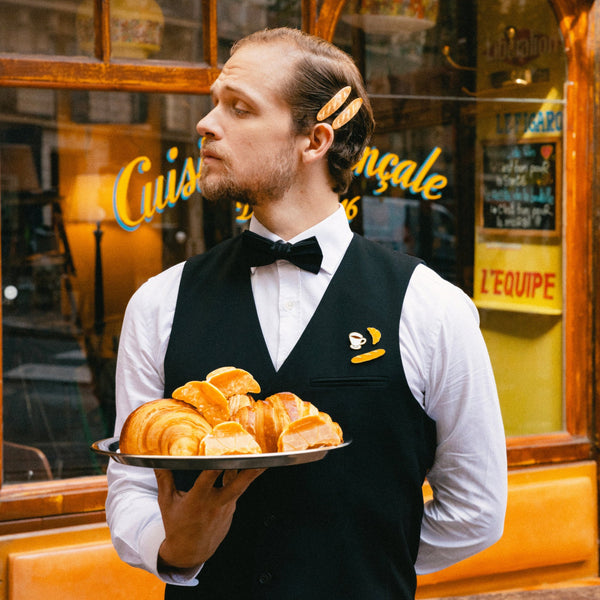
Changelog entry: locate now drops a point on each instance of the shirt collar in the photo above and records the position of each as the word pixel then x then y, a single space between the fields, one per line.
pixel 333 234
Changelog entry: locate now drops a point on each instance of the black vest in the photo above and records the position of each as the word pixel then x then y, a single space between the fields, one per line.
pixel 346 527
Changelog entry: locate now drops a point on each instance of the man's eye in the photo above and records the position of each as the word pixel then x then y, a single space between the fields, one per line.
pixel 239 110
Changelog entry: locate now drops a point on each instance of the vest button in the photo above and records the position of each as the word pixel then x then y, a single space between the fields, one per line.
pixel 265 578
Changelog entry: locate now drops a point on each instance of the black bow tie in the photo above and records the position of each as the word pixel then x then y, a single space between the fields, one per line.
pixel 260 251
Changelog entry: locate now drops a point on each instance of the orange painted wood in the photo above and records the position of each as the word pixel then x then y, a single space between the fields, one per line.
pixel 577 241
pixel 209 31
pixel 309 15
pixel 102 30
pixel 57 497
pixel 328 17
pixel 69 73
pixel 78 572
pixel 550 535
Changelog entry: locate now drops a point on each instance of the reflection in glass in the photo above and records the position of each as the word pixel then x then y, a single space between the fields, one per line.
pixel 69 266
pixel 237 19
pixel 182 37
pixel 39 28
pixel 152 29
pixel 149 29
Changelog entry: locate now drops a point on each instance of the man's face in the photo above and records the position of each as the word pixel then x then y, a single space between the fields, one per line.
pixel 249 152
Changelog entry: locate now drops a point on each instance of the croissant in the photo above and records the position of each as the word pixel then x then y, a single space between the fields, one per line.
pixel 294 406
pixel 312 431
pixel 217 416
pixel 231 381
pixel 227 438
pixel 266 419
pixel 207 398
pixel 238 401
pixel 164 426
pixel 265 422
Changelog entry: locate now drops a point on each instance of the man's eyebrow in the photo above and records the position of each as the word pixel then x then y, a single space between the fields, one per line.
pixel 232 89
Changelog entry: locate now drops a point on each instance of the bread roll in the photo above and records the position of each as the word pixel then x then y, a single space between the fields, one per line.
pixel 238 401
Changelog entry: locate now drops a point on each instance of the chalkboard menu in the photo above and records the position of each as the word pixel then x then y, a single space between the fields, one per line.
pixel 520 187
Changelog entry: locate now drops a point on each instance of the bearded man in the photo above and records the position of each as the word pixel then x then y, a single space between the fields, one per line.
pixel 290 119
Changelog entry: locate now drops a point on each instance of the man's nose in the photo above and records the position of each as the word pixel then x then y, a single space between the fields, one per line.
pixel 207 125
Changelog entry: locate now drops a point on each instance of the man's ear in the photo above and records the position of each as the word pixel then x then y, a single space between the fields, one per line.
pixel 317 142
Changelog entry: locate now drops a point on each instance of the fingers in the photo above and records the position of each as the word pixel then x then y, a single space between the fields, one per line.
pixel 165 483
pixel 196 522
pixel 228 476
pixel 206 480
pixel 235 485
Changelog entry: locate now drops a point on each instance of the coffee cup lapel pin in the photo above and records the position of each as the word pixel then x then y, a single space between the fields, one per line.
pixel 358 340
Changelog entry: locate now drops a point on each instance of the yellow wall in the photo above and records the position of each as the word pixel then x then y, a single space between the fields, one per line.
pixel 526 351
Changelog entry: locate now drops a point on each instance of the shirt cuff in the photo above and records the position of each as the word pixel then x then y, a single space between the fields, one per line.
pixel 151 539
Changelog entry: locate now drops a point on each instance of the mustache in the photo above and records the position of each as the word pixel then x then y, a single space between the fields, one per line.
pixel 208 150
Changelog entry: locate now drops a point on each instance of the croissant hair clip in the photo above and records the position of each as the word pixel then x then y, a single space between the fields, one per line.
pixel 335 103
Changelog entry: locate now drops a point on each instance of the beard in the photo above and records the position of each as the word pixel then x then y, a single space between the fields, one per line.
pixel 268 183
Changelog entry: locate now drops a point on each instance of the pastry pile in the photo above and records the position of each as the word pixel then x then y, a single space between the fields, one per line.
pixel 218 417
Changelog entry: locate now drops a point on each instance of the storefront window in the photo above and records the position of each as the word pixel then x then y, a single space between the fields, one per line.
pixel 163 29
pixel 154 29
pixel 465 171
pixel 97 195
pixel 98 192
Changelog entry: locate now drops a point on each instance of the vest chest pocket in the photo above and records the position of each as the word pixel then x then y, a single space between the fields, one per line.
pixel 372 381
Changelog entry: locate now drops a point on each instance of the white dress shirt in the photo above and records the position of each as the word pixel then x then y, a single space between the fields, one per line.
pixel 446 365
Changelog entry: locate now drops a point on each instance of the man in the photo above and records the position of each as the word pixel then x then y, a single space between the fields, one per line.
pixel 352 525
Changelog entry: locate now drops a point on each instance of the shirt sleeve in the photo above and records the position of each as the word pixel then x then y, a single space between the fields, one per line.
pixel 132 510
pixel 449 371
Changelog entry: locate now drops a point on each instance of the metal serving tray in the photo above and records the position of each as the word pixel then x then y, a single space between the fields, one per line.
pixel 110 447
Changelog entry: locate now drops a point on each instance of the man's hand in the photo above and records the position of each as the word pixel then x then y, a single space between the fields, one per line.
pixel 196 522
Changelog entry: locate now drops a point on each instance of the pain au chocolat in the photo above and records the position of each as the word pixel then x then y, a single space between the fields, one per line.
pixel 218 416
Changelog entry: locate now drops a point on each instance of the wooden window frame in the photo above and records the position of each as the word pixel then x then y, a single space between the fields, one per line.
pixel 72 501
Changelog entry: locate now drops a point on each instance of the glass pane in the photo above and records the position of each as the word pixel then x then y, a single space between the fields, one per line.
pixel 157 29
pixel 464 170
pixel 71 257
pixel 237 18
pixel 41 28
pixel 182 36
